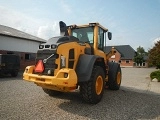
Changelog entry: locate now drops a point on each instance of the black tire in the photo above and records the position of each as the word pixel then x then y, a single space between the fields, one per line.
pixel 51 92
pixel 14 73
pixel 114 76
pixel 92 91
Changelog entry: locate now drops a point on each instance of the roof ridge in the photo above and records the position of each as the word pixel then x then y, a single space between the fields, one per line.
pixel 16 29
pixel 18 33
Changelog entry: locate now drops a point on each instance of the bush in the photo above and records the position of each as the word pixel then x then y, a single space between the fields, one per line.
pixel 155 74
pixel 154 56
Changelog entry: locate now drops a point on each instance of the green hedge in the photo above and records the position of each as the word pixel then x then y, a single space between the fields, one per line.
pixel 155 74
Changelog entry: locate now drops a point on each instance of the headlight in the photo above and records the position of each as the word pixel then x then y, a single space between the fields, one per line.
pixel 63 61
pixel 53 46
pixel 41 46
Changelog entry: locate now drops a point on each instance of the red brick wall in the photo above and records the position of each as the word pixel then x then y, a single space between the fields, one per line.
pixel 3 52
pixel 126 64
pixel 123 63
pixel 23 62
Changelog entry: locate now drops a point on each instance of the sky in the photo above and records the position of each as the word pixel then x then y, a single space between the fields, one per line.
pixel 132 22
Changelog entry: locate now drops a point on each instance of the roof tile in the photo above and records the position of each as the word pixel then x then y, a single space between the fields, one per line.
pixel 126 51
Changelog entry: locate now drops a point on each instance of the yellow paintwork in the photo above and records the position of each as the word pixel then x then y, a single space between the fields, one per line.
pixel 118 78
pixel 112 52
pixel 99 85
pixel 64 52
pixel 57 82
pixel 96 50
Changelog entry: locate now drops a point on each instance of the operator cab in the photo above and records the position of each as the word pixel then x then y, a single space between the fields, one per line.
pixel 88 34
pixel 84 34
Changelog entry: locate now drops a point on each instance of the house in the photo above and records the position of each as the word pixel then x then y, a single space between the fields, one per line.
pixel 124 55
pixel 144 63
pixel 13 41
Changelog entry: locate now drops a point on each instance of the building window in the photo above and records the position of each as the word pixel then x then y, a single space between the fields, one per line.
pixel 144 64
pixel 27 56
pixel 30 56
pixel 127 61
pixel 120 61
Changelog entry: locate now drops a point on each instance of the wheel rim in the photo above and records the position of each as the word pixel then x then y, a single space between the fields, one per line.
pixel 99 85
pixel 118 78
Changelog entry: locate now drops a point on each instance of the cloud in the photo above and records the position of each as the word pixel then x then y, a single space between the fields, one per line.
pixel 48 31
pixel 156 40
pixel 15 19
pixel 153 41
pixel 41 28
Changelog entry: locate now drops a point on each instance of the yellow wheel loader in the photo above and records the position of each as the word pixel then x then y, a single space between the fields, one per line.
pixel 76 59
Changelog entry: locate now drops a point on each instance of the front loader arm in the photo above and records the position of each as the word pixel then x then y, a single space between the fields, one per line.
pixel 112 52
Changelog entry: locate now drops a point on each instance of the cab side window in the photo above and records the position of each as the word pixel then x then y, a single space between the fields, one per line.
pixel 100 39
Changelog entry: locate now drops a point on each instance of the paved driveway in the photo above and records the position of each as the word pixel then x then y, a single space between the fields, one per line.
pixel 138 98
pixel 138 79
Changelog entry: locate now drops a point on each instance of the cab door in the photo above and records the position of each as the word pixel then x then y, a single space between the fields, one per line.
pixel 99 40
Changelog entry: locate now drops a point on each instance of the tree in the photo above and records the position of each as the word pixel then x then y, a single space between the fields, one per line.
pixel 154 55
pixel 139 57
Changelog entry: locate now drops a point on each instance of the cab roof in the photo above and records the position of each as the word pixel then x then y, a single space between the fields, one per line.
pixel 86 25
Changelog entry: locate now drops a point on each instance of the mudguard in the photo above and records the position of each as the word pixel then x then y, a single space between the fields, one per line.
pixel 84 67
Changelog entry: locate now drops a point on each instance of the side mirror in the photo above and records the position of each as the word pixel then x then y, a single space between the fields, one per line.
pixel 63 29
pixel 109 35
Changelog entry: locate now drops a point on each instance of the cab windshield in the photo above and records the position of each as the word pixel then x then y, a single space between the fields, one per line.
pixel 84 34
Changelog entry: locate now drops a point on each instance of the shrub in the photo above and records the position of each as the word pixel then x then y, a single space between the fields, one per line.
pixel 155 74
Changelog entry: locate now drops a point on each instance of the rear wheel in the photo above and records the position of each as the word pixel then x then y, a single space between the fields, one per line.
pixel 92 91
pixel 51 92
pixel 114 76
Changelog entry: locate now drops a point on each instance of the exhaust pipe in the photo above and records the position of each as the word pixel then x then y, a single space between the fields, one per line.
pixel 63 29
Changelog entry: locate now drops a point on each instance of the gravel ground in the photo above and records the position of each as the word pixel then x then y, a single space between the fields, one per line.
pixel 136 99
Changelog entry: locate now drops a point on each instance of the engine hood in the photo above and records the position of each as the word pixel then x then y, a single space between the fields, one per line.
pixel 55 41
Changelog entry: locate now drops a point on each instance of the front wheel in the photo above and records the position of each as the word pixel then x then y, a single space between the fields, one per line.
pixel 92 91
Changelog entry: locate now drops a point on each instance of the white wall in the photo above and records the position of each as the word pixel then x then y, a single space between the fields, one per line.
pixel 17 44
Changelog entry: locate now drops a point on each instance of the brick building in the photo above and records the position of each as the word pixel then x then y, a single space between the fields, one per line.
pixel 13 41
pixel 124 55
